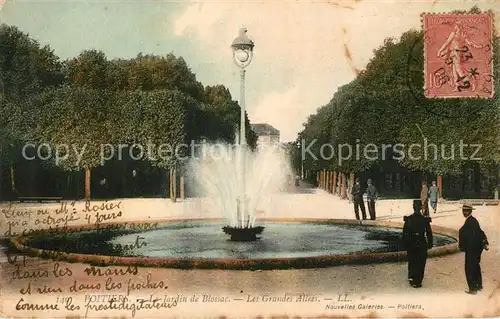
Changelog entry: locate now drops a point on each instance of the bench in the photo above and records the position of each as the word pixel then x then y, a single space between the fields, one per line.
pixel 478 202
pixel 39 199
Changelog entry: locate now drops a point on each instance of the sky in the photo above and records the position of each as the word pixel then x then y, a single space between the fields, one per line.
pixel 300 46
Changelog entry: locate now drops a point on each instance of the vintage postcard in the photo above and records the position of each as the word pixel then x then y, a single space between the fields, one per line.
pixel 249 159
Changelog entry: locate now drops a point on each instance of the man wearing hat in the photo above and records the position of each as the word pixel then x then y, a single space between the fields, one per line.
pixel 357 198
pixel 417 237
pixel 371 195
pixel 472 240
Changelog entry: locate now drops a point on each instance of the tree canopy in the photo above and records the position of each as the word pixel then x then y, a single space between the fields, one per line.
pixel 92 100
pixel 86 109
pixel 385 104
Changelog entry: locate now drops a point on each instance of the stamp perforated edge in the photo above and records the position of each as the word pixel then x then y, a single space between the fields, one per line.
pixel 492 40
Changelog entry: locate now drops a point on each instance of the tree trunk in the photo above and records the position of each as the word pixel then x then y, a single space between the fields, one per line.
pixel 327 180
pixel 182 187
pixel 1 182
pixel 330 187
pixel 170 183
pixel 13 180
pixel 334 186
pixel 67 194
pixel 439 185
pixel 174 184
pixel 124 189
pixel 325 187
pixel 87 183
pixel 342 187
pixel 351 182
pixel 339 182
pixel 32 179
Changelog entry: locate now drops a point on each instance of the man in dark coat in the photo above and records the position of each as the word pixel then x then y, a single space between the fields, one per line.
pixel 357 198
pixel 417 237
pixel 472 241
pixel 371 196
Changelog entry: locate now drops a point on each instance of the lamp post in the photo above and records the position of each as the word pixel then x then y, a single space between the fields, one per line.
pixel 242 54
pixel 301 161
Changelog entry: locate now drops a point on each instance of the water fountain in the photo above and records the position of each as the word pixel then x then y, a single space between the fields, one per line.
pixel 243 229
pixel 236 190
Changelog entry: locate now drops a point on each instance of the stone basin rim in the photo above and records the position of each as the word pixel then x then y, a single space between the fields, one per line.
pixel 320 261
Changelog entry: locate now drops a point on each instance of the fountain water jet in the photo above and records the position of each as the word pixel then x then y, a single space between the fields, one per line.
pixel 218 173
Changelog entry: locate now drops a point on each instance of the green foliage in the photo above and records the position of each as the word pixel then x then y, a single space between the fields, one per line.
pixel 449 123
pixel 25 67
pixel 10 116
pixel 88 70
pixel 89 105
pixel 151 72
pixel 154 118
pixel 385 104
pixel 74 118
pixel 222 116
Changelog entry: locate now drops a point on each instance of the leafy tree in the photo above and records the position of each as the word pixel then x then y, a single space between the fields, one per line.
pixel 92 101
pixel 26 68
pixel 151 72
pixel 154 118
pixel 448 123
pixel 224 115
pixel 76 122
pixel 385 104
pixel 88 70
pixel 317 132
pixel 161 121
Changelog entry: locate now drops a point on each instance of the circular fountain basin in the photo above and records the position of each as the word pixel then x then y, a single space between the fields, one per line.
pixel 201 244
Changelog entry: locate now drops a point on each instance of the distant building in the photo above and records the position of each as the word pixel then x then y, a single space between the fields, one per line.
pixel 266 134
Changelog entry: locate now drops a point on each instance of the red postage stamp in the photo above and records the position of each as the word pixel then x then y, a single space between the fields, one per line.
pixel 458 55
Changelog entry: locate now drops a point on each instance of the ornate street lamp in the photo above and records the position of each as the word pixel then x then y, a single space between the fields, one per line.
pixel 242 54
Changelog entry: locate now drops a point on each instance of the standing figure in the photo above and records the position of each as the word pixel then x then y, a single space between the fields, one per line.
pixel 433 196
pixel 424 197
pixel 134 182
pixel 371 194
pixel 104 185
pixel 417 237
pixel 456 50
pixel 357 198
pixel 472 240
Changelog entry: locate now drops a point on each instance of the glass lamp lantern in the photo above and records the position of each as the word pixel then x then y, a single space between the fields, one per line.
pixel 242 49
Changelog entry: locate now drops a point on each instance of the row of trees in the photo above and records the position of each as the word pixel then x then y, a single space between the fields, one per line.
pixel 93 101
pixel 385 104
